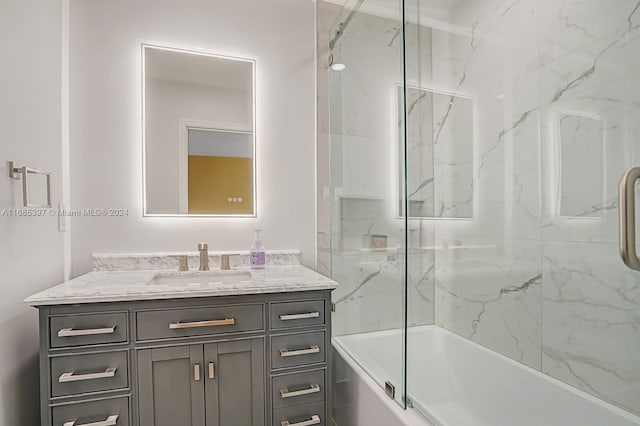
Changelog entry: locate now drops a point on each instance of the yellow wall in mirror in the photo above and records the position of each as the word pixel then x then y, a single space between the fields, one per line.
pixel 213 180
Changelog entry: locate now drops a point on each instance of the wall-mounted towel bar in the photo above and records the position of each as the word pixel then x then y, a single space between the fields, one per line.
pixel 23 173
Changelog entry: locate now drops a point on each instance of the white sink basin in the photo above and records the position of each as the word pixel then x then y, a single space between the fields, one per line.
pixel 199 278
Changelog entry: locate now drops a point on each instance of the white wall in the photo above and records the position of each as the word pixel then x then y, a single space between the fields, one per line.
pixel 168 103
pixel 30 248
pixel 105 120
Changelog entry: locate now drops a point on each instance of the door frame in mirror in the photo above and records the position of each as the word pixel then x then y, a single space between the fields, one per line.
pixel 195 123
pixel 183 153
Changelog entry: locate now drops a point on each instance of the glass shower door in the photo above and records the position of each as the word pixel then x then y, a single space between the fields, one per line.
pixel 522 118
pixel 367 233
pixel 590 136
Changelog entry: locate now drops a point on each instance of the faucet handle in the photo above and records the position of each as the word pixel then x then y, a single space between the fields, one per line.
pixel 224 261
pixel 183 262
pixel 203 246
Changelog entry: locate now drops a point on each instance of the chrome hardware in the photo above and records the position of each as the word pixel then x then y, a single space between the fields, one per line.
pixel 315 420
pixel 285 393
pixel 183 262
pixel 212 370
pixel 333 307
pixel 627 211
pixel 70 332
pixel 111 421
pixel 312 350
pixel 204 256
pixel 390 390
pixel 197 324
pixel 289 317
pixel 23 172
pixel 72 377
pixel 196 372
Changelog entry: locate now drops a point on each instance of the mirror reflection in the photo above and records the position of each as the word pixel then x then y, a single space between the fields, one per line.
pixel 439 135
pixel 199 138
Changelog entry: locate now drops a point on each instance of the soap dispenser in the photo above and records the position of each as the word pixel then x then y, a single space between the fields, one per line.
pixel 257 258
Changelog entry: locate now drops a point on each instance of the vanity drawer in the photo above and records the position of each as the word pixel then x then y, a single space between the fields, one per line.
pixel 312 414
pixel 297 314
pixel 199 321
pixel 112 412
pixel 88 329
pixel 298 388
pixel 292 350
pixel 75 374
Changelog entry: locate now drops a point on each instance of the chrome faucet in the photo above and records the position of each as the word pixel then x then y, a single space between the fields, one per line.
pixel 203 248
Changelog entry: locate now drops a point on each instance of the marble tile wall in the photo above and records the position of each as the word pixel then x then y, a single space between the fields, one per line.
pixel 359 129
pixel 591 302
pixel 535 275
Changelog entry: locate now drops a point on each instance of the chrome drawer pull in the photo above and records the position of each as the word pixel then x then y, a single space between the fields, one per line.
pixel 312 350
pixel 111 421
pixel 70 332
pixel 72 377
pixel 212 370
pixel 285 393
pixel 197 324
pixel 289 317
pixel 315 420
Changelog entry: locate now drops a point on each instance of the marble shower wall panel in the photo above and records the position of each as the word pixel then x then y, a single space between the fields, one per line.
pixel 586 68
pixel 453 156
pixel 591 321
pixel 489 271
pixel 489 291
pixel 370 294
pixel 580 144
pixel 591 309
pixel 364 177
pixel 439 154
pixel 420 152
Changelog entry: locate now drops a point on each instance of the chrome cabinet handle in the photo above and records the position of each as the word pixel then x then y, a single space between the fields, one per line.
pixel 196 372
pixel 311 350
pixel 72 377
pixel 71 332
pixel 212 370
pixel 289 317
pixel 627 211
pixel 315 420
pixel 111 421
pixel 196 324
pixel 285 393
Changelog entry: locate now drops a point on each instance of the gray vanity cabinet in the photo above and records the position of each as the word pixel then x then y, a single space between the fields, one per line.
pixel 250 360
pixel 234 384
pixel 214 384
pixel 169 392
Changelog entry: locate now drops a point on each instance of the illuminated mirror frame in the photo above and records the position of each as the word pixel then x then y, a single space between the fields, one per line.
pixel 145 213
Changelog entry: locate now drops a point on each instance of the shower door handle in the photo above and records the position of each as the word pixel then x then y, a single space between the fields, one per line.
pixel 627 211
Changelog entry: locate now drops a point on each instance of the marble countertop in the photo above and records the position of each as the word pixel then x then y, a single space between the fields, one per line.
pixel 119 286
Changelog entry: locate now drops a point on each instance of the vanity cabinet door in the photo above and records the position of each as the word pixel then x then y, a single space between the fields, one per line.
pixel 171 386
pixel 235 383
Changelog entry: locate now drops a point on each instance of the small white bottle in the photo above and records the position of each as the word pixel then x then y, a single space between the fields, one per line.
pixel 257 258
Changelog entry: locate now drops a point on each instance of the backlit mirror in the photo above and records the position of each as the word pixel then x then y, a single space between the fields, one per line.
pixel 199 138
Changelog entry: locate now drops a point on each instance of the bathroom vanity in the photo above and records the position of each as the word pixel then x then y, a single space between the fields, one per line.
pixel 221 348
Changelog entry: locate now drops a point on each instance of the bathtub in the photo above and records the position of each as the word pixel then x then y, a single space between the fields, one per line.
pixel 454 382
